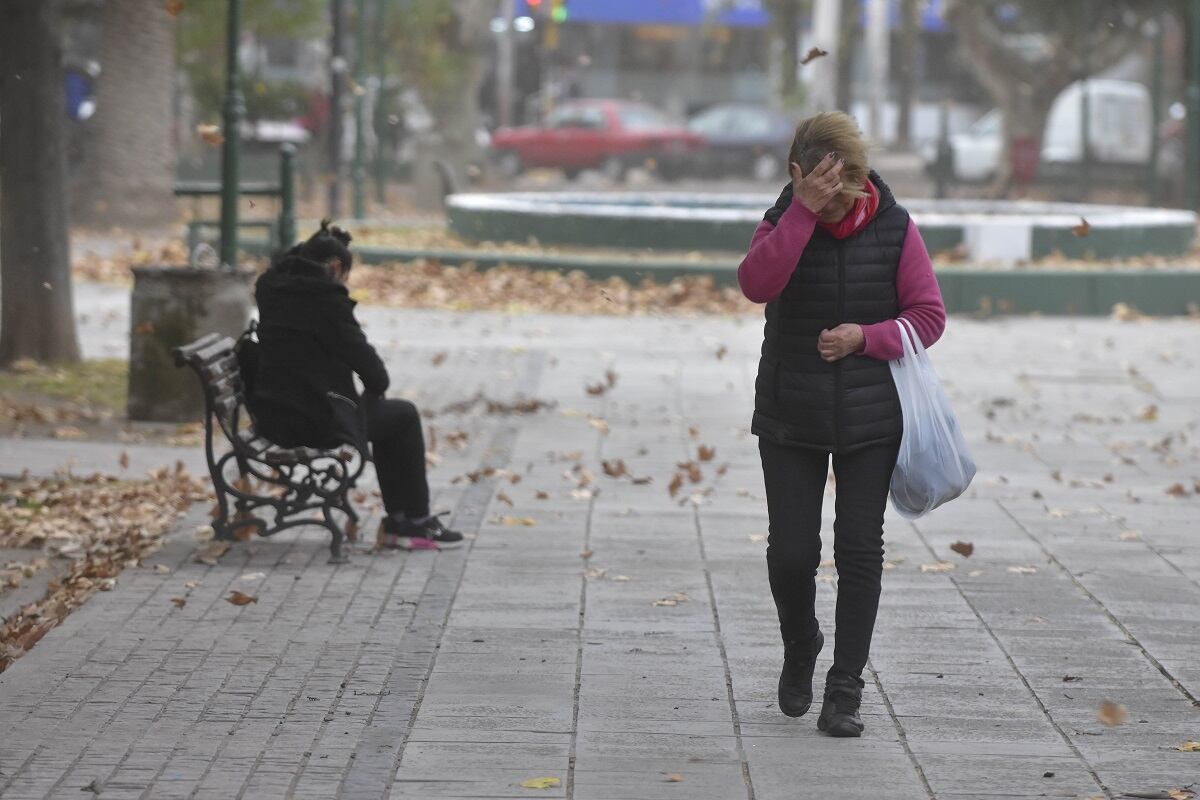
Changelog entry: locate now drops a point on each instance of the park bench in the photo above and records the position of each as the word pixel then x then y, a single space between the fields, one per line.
pixel 255 475
pixel 280 232
pixel 204 230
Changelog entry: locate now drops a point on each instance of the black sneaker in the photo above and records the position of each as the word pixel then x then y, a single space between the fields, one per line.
pixel 839 713
pixel 404 534
pixel 795 681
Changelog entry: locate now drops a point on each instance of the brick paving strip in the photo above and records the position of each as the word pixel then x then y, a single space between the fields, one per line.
pixel 464 673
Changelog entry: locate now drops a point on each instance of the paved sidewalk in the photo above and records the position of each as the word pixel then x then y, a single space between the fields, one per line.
pixel 463 673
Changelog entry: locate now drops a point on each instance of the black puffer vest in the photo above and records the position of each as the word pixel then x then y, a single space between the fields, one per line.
pixel 802 400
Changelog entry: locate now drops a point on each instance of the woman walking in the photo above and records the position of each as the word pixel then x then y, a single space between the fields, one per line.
pixel 836 260
pixel 310 344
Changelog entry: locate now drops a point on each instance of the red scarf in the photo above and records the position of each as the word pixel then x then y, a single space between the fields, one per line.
pixel 860 214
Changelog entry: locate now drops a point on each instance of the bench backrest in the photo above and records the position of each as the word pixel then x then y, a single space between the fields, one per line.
pixel 215 362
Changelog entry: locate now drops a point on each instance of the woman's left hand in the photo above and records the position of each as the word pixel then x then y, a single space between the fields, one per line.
pixel 840 342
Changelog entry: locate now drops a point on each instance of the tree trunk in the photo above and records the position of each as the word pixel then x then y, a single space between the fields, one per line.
pixel 906 60
pixel 845 54
pixel 129 171
pixel 787 26
pixel 36 314
pixel 453 142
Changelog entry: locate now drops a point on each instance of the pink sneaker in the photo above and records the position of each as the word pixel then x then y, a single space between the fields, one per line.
pixel 431 534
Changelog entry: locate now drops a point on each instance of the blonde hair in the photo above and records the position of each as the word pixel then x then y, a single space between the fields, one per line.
pixel 836 132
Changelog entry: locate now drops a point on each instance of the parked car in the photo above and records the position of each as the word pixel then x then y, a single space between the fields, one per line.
pixel 744 140
pixel 610 135
pixel 1120 133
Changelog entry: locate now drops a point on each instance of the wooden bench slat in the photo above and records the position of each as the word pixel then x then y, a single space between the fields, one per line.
pixel 227 365
pixel 185 353
pixel 214 351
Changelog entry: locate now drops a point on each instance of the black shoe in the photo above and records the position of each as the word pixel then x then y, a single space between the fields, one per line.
pixel 431 534
pixel 839 713
pixel 795 681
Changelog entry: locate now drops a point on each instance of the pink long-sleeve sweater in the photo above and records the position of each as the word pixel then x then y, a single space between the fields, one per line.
pixel 775 251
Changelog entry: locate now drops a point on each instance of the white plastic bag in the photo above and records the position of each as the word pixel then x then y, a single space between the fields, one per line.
pixel 933 466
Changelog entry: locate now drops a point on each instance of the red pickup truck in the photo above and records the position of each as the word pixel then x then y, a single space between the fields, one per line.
pixel 610 135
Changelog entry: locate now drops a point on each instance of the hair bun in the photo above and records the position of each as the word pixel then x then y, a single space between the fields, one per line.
pixel 341 234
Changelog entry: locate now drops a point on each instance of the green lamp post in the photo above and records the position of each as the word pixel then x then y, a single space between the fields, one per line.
pixel 359 171
pixel 234 109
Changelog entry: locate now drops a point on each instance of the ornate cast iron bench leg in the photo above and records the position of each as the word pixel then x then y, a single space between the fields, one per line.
pixel 335 545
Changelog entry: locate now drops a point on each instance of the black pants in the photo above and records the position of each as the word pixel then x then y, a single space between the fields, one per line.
pixel 795 481
pixel 398 450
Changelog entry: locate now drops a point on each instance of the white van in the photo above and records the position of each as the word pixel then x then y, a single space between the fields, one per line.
pixel 1120 133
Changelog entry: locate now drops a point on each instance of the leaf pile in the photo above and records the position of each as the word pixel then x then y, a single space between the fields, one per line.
pixel 428 284
pixel 102 524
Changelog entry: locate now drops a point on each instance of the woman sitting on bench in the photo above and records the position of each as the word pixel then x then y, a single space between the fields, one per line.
pixel 310 344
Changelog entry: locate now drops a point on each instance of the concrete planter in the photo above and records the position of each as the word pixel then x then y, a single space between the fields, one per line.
pixel 172 306
pixel 981 231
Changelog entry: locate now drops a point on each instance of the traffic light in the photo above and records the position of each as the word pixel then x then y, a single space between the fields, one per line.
pixel 558 10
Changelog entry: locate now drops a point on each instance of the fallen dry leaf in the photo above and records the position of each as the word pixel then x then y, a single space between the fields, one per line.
pixel 210 134
pixel 673 600
pixel 1130 536
pixel 614 468
pixel 1178 490
pixel 812 55
pixel 179 602
pixel 722 351
pixel 123 460
pixel 586 554
pixel 212 552
pixel 162 569
pixel 540 783
pixel 504 498
pixel 438 358
pixel 675 484
pixel 540 495
pixel 1083 228
pixel 964 549
pixel 1022 570
pixel 599 424
pixel 173 7
pixel 1111 714
pixel 1123 312
pixel 705 453
pixel 940 566
pixel 512 522
pixel 673 778
pixel 1190 747
pixel 241 598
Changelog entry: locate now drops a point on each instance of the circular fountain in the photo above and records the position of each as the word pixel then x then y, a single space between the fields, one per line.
pixel 979 231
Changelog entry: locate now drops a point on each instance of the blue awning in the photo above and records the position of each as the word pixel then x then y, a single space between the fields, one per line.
pixel 739 13
pixel 744 13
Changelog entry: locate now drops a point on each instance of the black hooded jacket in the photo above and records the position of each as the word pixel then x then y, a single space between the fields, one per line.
pixel 309 344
